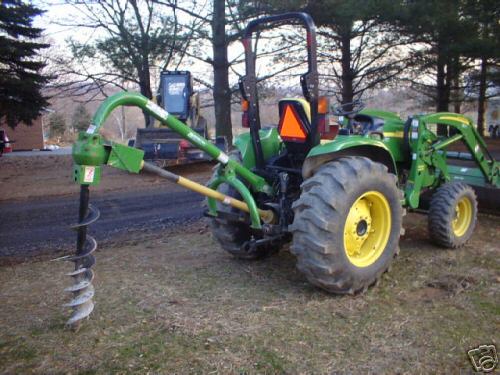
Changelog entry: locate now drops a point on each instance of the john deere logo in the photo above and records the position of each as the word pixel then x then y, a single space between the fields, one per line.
pixel 483 358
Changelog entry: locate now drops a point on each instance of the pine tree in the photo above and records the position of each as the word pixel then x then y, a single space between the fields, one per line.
pixel 80 119
pixel 484 46
pixel 57 124
pixel 441 32
pixel 21 79
pixel 358 49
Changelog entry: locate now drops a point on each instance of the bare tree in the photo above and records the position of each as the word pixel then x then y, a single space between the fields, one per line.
pixel 359 56
pixel 218 24
pixel 129 39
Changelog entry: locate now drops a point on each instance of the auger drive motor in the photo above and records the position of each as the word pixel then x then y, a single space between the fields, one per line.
pixel 337 193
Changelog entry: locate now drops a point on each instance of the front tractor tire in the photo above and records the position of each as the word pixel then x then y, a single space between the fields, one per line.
pixel 452 215
pixel 347 225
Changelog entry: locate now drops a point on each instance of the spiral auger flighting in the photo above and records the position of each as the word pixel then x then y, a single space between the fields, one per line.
pixel 82 288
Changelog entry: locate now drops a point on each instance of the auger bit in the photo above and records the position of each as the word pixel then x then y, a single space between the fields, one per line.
pixel 82 288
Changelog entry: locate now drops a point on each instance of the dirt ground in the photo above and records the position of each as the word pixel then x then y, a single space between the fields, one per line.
pixel 54 177
pixel 175 302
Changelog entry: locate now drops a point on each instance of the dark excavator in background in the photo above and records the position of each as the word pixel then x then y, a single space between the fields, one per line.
pixel 164 146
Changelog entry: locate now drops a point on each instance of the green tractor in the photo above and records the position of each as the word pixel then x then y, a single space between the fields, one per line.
pixel 338 198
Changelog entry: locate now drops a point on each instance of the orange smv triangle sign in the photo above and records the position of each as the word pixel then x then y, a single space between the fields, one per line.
pixel 290 126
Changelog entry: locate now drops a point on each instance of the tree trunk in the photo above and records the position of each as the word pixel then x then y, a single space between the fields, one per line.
pixel 457 96
pixel 455 90
pixel 481 105
pixel 441 99
pixel 145 88
pixel 124 127
pixel 457 99
pixel 222 91
pixel 443 93
pixel 347 76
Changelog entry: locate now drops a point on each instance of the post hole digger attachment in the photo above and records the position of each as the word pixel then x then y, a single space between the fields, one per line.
pixel 338 198
pixel 91 151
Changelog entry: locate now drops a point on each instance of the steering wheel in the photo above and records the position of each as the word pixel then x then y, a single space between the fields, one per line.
pixel 356 105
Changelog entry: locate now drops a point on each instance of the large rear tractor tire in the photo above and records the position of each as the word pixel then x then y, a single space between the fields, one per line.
pixel 452 215
pixel 232 235
pixel 347 225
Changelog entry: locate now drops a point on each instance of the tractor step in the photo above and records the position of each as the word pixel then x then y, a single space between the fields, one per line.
pixel 274 242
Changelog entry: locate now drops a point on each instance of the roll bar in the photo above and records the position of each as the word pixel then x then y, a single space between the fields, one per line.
pixel 308 80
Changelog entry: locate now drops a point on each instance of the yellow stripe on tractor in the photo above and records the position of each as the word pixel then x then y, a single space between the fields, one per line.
pixel 394 134
pixel 456 118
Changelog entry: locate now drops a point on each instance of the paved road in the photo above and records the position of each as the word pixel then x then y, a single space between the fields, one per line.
pixel 30 227
pixel 60 151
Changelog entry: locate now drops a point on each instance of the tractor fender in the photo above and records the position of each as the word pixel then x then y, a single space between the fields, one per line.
pixel 348 146
pixel 269 140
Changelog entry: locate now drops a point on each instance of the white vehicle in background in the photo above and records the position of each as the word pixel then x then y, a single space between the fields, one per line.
pixel 52 147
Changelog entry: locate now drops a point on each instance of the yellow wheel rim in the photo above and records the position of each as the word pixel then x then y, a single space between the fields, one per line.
pixel 367 229
pixel 463 216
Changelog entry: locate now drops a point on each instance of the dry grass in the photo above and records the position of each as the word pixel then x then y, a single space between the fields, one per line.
pixel 177 304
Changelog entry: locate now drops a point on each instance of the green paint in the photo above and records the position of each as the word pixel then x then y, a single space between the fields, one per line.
pixel 471 138
pixel 385 115
pixel 471 176
pixel 126 158
pixel 270 141
pixel 429 167
pixel 343 142
pixel 230 178
pixel 422 171
pixel 446 142
pixel 135 99
pixel 392 130
pixel 349 143
pixel 395 147
pixel 89 149
pixel 393 136
pixel 389 137
pixel 89 153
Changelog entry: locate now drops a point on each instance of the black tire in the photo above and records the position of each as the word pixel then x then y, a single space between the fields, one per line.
pixel 321 214
pixel 232 235
pixel 443 214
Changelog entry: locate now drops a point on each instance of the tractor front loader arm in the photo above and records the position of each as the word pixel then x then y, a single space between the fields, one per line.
pixel 91 151
pixel 429 166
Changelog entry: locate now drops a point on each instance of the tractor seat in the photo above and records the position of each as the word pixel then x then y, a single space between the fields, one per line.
pixel 369 123
pixel 295 119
